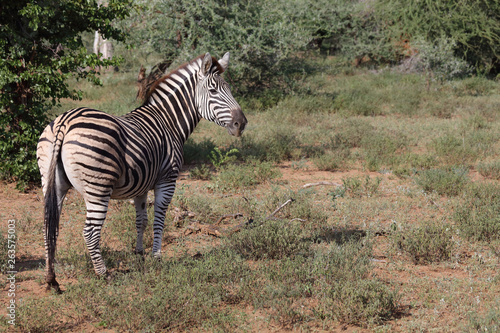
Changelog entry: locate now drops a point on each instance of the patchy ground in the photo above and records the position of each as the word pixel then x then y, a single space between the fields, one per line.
pixel 434 297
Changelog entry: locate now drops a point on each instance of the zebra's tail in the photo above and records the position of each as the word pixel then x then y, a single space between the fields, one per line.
pixel 52 212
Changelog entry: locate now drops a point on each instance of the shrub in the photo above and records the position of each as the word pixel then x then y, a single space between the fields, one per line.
pixel 358 187
pixel 438 61
pixel 478 216
pixel 274 147
pixel 330 161
pixel 195 152
pixel 449 181
pixel 350 133
pixel 430 242
pixel 472 27
pixel 201 172
pixel 346 293
pixel 381 149
pixel 234 177
pixel 489 169
pixel 274 239
pixel 41 49
pixel 474 86
pixel 220 158
pixel 264 33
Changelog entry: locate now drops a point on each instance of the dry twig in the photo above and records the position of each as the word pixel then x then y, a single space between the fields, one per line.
pixel 321 183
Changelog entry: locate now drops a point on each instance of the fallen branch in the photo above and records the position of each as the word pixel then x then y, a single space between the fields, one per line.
pixel 321 183
pixel 234 216
pixel 280 208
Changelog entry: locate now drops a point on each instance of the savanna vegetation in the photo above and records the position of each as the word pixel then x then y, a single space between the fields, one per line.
pixel 364 193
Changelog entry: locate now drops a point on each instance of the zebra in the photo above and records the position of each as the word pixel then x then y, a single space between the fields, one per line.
pixel 109 157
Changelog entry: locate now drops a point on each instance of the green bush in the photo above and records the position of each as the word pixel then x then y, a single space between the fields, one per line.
pixel 234 177
pixel 472 27
pixel 437 60
pixel 467 148
pixel 41 48
pixel 274 239
pixel 264 37
pixel 382 149
pixel 201 172
pixel 350 133
pixel 276 146
pixel 358 187
pixel 329 161
pixel 346 293
pixel 489 169
pixel 449 181
pixel 478 216
pixel 430 242
pixel 196 152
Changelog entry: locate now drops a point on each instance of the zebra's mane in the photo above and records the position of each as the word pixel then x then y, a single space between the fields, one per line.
pixel 157 75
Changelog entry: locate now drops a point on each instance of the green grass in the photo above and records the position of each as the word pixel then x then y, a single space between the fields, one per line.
pixel 489 170
pixel 235 177
pixel 478 215
pixel 427 243
pixel 449 181
pixel 275 239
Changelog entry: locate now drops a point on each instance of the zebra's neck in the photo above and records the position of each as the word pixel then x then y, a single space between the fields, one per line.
pixel 173 99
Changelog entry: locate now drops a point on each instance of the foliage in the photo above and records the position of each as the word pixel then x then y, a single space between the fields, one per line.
pixel 275 147
pixel 201 172
pixel 356 187
pixel 275 239
pixel 262 35
pixel 346 294
pixel 438 61
pixel 233 177
pixel 472 27
pixel 448 181
pixel 430 242
pixel 489 169
pixel 40 48
pixel 478 216
pixel 382 149
pixel 219 158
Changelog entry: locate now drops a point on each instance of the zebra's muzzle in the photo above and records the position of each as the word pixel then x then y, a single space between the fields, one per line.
pixel 238 122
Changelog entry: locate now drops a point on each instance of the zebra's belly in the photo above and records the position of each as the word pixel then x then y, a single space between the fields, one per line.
pixel 132 186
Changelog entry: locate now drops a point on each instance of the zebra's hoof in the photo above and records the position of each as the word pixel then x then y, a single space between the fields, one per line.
pixel 108 276
pixel 139 253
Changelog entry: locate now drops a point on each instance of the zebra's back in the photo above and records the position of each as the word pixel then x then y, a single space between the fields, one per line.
pixel 106 155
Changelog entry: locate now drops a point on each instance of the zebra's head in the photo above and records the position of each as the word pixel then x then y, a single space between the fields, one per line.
pixel 214 99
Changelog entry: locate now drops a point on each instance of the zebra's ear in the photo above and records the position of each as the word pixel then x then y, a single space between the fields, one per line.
pixel 206 64
pixel 224 61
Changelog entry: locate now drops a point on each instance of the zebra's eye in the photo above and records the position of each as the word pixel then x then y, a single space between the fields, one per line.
pixel 213 91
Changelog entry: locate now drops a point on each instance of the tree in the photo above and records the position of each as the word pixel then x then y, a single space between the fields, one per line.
pixel 471 26
pixel 40 48
pixel 262 35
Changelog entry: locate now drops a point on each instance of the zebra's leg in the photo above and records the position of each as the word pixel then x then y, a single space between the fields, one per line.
pixel 62 185
pixel 97 208
pixel 141 221
pixel 163 195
